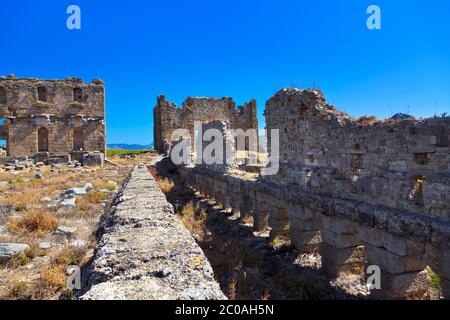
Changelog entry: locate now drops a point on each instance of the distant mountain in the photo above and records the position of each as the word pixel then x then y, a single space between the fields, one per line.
pixel 401 116
pixel 125 146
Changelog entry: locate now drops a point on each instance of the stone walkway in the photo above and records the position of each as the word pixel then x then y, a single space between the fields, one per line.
pixel 146 252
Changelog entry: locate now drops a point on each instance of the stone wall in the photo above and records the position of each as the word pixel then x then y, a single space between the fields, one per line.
pixel 168 117
pixel 146 253
pixel 361 192
pixel 47 118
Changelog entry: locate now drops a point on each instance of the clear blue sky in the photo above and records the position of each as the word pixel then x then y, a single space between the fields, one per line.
pixel 238 48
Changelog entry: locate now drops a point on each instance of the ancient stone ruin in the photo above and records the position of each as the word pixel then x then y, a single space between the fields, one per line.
pixel 168 117
pixel 53 121
pixel 361 192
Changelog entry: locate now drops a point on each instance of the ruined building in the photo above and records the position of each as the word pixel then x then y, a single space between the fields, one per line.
pixel 361 192
pixel 167 117
pixel 62 120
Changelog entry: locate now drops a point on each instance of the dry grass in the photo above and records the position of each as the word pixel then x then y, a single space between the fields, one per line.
pixel 100 184
pixel 97 197
pixel 17 289
pixel 34 223
pixel 166 185
pixel 193 220
pixel 53 279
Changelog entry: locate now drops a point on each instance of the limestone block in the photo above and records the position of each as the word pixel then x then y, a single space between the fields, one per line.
pixel 342 256
pixel 338 240
pixel 410 225
pixel 393 263
pixel 302 238
pixel 337 225
pixel 398 245
pixel 308 225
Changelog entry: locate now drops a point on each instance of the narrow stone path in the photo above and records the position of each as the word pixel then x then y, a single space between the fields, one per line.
pixel 146 252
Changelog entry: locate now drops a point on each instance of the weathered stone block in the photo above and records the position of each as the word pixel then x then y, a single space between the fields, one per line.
pixel 393 263
pixel 342 256
pixel 337 225
pixel 398 245
pixel 93 159
pixel 339 240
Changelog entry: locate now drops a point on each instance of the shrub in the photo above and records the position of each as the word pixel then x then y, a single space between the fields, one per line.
pixel 17 289
pixel 166 185
pixel 97 197
pixel 36 223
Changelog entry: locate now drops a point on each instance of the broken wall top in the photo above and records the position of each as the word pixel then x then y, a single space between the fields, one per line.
pixel 399 163
pixel 29 97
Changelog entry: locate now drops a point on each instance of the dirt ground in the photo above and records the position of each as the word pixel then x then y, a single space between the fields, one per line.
pixel 33 212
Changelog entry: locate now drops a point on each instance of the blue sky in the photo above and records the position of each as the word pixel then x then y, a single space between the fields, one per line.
pixel 244 49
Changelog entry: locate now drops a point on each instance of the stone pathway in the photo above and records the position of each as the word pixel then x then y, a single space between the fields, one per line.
pixel 146 252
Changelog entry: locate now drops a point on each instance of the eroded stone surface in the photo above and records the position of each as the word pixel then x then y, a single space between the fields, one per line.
pixel 146 252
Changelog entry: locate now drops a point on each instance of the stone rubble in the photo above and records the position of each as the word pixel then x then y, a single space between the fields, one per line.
pixel 9 250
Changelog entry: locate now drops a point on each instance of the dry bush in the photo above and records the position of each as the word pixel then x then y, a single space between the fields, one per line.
pixel 193 220
pixel 22 200
pixel 166 185
pixel 36 223
pixel 188 210
pixel 96 197
pixel 53 279
pixel 17 289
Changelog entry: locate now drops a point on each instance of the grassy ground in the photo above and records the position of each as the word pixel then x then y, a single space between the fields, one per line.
pixel 35 214
pixel 114 152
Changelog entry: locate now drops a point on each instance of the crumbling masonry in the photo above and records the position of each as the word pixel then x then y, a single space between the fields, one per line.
pixel 57 120
pixel 167 117
pixel 361 192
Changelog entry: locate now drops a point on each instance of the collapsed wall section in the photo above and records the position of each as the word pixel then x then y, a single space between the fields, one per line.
pixel 168 117
pixel 146 252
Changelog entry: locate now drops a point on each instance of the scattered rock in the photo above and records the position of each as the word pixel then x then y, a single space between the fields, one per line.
pixel 45 245
pixel 88 186
pixel 68 231
pixel 9 250
pixel 38 176
pixel 70 202
pixel 75 191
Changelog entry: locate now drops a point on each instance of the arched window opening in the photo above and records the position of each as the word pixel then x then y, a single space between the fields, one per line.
pixel 78 139
pixel 43 140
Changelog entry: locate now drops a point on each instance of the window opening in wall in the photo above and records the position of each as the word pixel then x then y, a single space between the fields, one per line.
pixel 42 94
pixel 421 158
pixel 78 139
pixel 78 94
pixel 43 140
